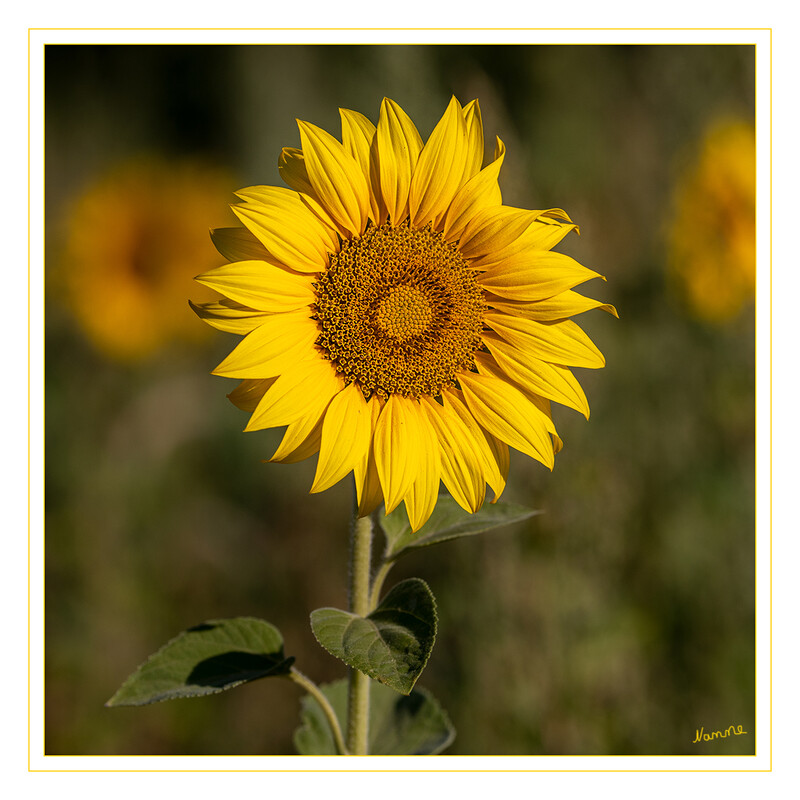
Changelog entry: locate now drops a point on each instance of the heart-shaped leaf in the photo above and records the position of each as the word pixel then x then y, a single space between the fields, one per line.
pixel 415 725
pixel 392 644
pixel 448 521
pixel 206 659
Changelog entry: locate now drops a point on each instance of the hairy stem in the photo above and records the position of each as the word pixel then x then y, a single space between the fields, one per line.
pixel 358 698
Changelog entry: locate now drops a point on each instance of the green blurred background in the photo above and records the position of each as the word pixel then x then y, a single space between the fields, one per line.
pixel 619 621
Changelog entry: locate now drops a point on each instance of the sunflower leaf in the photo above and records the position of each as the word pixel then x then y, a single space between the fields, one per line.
pixel 448 521
pixel 415 725
pixel 392 644
pixel 206 659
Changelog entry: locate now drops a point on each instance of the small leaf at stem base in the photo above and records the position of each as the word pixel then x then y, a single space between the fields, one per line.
pixel 415 725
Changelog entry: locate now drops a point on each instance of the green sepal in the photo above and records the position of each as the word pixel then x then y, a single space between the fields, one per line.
pixel 413 725
pixel 206 659
pixel 392 644
pixel 448 521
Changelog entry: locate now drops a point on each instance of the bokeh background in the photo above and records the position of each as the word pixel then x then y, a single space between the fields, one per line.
pixel 617 622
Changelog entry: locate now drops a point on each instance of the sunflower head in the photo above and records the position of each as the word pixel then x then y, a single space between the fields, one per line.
pixel 398 319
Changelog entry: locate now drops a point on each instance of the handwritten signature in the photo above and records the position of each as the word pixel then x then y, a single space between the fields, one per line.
pixel 731 730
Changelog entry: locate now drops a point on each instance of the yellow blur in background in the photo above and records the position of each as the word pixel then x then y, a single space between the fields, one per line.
pixel 136 236
pixel 712 240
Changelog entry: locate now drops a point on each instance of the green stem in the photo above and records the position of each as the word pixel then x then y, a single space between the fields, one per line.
pixel 358 698
pixel 327 708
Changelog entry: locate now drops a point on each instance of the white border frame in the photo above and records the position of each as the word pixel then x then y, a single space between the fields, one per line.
pixel 762 761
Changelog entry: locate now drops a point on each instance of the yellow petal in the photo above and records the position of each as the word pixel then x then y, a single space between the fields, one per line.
pixel 462 472
pixel 346 436
pixel 474 126
pixel 440 169
pixel 228 316
pixel 271 196
pixel 280 341
pixel 301 438
pixel 368 486
pixel 455 405
pixel 544 406
pixel 238 244
pixel 502 459
pixel 292 237
pixel 506 413
pixel 396 443
pixel 371 495
pixel 297 392
pixel 535 275
pixel 357 135
pixel 260 286
pixel 247 395
pixel 292 168
pixel 398 147
pixel 290 200
pixel 493 229
pixel 358 138
pixel 560 306
pixel 549 380
pixel 480 192
pixel 421 498
pixel 556 342
pixel 495 235
pixel 337 180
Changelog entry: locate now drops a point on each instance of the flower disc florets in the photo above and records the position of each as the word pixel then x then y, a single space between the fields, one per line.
pixel 400 311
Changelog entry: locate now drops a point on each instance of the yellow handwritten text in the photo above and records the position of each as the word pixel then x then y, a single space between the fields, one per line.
pixel 731 730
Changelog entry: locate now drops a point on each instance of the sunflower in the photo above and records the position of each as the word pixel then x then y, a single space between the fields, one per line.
pixel 398 319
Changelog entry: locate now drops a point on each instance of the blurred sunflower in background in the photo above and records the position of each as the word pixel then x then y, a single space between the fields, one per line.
pixel 134 239
pixel 712 237
pixel 398 318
